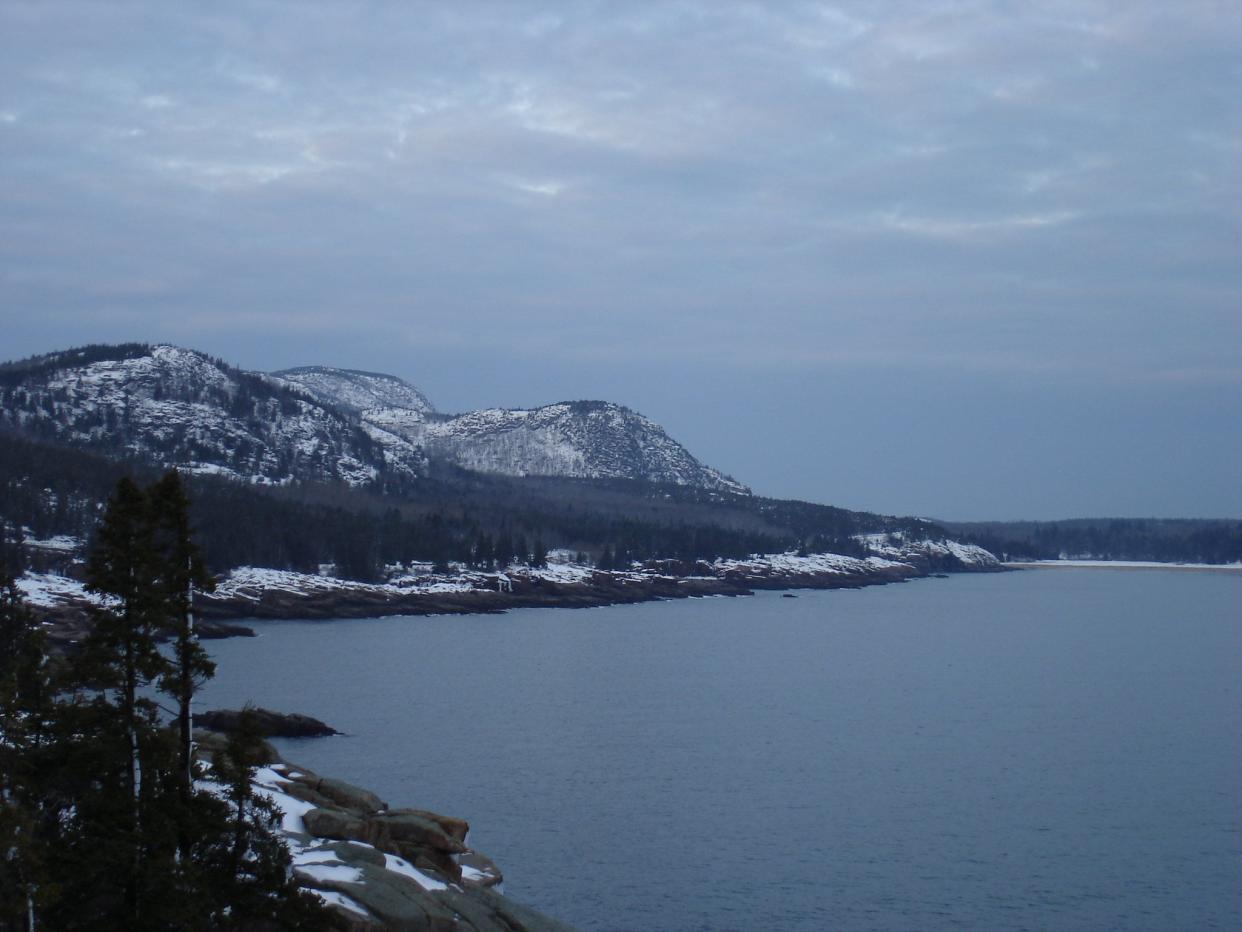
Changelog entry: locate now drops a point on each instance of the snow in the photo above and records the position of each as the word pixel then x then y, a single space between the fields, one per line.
pixel 267 783
pixel 355 390
pixel 329 873
pixel 250 582
pixel 472 874
pixel 335 898
pixel 61 543
pixel 45 590
pixel 589 440
pixel 405 868
pixel 896 546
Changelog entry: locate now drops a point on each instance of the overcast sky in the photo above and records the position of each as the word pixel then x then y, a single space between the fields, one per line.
pixel 961 259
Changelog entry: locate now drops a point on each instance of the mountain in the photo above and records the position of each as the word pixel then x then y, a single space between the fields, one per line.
pixel 179 407
pixel 580 439
pixel 576 439
pixel 174 406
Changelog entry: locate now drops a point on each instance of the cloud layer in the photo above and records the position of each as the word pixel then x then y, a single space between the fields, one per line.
pixel 960 195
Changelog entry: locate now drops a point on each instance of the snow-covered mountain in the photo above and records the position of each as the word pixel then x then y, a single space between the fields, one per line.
pixel 181 407
pixel 355 390
pixel 578 439
pixel 583 439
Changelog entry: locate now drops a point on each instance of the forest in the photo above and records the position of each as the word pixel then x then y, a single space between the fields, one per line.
pixel 452 515
pixel 1165 540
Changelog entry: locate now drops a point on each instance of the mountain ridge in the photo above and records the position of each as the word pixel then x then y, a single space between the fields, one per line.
pixel 181 407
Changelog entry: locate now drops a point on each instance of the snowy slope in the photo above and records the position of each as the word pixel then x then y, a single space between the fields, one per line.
pixel 179 407
pixel 355 390
pixel 580 439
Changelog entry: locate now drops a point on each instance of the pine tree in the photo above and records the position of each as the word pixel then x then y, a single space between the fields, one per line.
pixel 181 571
pixel 258 874
pixel 122 656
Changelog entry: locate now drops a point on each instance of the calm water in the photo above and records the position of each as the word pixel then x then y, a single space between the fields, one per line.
pixel 1027 750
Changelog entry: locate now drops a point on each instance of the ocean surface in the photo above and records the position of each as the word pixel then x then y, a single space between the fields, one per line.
pixel 1035 750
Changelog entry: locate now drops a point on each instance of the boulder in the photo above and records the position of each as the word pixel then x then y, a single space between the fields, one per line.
pixel 410 825
pixel 348 796
pixel 334 823
pixel 454 828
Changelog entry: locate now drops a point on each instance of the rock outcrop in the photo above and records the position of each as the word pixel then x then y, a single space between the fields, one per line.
pixel 267 723
pixel 384 868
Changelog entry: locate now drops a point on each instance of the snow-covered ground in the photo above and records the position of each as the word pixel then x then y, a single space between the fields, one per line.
pixel 61 543
pixel 250 583
pixel 47 590
pixel 790 564
pixel 897 546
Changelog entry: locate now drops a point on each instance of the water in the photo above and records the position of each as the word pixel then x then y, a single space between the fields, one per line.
pixel 1026 750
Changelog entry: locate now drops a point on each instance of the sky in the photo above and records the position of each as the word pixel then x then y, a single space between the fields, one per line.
pixel 955 258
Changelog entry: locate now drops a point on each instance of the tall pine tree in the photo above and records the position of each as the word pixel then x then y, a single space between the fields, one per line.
pixel 180 572
pixel 122 657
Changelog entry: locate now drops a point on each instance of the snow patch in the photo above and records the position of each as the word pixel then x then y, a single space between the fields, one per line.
pixel 406 869
pixel 329 873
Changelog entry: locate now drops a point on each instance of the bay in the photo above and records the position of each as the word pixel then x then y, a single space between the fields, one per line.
pixel 1020 750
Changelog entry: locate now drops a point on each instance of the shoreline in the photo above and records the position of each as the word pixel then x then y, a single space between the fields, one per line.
pixel 249 593
pixel 1125 565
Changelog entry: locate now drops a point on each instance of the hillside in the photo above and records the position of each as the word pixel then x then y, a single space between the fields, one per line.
pixel 179 407
pixel 577 439
pixel 182 408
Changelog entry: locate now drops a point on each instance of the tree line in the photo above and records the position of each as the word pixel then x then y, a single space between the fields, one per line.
pixel 1163 540
pixel 52 489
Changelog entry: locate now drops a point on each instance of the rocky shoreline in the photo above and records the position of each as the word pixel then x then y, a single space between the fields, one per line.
pixel 261 595
pixel 383 868
pixel 256 593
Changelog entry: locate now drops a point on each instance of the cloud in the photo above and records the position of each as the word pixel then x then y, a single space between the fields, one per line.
pixel 949 186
